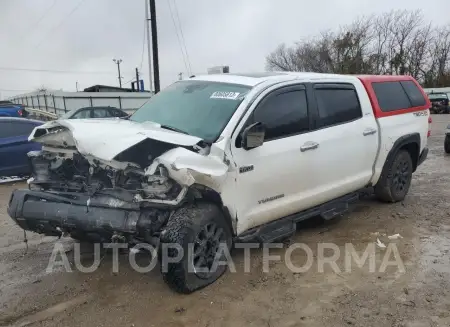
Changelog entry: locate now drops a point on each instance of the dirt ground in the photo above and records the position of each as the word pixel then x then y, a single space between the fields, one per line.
pixel 419 296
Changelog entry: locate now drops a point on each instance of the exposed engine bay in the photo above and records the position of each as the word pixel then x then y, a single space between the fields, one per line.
pixel 71 172
pixel 90 186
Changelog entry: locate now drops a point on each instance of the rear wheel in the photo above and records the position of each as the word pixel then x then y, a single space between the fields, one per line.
pixel 394 183
pixel 203 234
pixel 447 144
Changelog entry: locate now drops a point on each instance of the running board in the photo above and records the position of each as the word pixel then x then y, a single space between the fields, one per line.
pixel 286 227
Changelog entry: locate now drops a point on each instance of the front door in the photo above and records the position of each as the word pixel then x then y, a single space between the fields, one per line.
pixel 269 176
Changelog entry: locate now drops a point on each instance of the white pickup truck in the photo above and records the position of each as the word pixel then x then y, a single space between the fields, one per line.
pixel 225 158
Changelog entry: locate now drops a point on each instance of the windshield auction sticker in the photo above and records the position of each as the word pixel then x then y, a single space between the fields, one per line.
pixel 225 95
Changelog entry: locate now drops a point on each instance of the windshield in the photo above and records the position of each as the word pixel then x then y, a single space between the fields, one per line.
pixel 433 96
pixel 68 114
pixel 199 108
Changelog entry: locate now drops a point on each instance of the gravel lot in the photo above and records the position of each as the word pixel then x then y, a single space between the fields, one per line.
pixel 420 296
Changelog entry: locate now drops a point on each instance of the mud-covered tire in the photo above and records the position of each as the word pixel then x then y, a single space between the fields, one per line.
pixel 447 144
pixel 394 183
pixel 185 227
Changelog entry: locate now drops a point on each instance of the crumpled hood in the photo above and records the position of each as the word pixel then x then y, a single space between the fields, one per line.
pixel 106 138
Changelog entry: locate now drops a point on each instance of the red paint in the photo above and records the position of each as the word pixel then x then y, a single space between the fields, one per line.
pixel 367 81
pixel 429 124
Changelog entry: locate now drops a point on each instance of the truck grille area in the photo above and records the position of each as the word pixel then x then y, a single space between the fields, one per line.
pixel 98 218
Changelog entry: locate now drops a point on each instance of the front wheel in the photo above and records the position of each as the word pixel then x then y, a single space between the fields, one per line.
pixel 394 183
pixel 202 233
pixel 447 144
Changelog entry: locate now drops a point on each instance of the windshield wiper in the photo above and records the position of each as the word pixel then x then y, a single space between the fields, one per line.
pixel 174 129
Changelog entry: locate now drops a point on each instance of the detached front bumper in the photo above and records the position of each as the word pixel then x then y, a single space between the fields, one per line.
pixel 96 218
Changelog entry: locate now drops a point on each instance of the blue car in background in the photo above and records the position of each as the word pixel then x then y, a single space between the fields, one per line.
pixel 14 145
pixel 9 109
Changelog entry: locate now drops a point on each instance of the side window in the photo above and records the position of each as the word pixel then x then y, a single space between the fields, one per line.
pixel 283 114
pixel 414 94
pixel 391 96
pixel 116 113
pixel 336 104
pixel 13 129
pixel 101 113
pixel 83 114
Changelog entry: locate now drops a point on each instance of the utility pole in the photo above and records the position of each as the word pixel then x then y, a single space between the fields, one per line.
pixel 76 85
pixel 149 47
pixel 154 45
pixel 137 80
pixel 118 62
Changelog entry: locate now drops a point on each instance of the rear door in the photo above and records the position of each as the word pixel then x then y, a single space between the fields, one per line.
pixel 14 147
pixel 346 140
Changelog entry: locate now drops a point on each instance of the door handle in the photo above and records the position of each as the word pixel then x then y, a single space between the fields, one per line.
pixel 309 146
pixel 369 131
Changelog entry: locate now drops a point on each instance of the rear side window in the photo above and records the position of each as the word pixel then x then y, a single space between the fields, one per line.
pixel 414 94
pixel 283 114
pixel 117 113
pixel 13 129
pixel 336 105
pixel 391 96
pixel 101 113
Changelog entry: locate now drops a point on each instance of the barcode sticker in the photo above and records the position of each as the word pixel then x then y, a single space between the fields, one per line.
pixel 225 95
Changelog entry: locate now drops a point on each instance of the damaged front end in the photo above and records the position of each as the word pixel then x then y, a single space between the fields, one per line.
pixel 101 187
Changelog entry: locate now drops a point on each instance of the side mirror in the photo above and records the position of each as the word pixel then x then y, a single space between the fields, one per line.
pixel 253 136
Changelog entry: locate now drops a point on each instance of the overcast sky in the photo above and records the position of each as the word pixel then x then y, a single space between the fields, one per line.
pixel 49 35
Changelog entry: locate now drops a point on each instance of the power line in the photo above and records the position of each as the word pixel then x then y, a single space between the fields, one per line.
pixel 53 71
pixel 15 90
pixel 143 47
pixel 182 36
pixel 178 36
pixel 32 27
pixel 131 80
pixel 62 21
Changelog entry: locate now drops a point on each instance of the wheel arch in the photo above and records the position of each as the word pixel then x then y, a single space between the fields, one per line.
pixel 204 193
pixel 410 143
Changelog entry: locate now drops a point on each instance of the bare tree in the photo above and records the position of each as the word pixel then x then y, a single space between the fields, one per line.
pixel 398 42
pixel 42 89
pixel 417 56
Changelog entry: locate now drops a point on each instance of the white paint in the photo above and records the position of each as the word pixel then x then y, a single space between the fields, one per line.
pixel 380 244
pixel 341 164
pixel 187 167
pixel 395 237
pixel 105 139
pixel 392 128
pixel 347 158
pixel 4 180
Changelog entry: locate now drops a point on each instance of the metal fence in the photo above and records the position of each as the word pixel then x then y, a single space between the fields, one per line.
pixel 58 104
